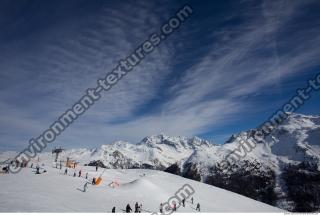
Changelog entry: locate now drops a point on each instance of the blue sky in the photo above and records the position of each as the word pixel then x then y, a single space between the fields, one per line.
pixel 229 67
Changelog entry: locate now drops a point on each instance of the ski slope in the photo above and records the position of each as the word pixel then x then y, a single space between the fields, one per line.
pixel 54 192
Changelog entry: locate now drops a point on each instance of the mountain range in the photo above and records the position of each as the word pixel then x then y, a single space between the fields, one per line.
pixel 282 170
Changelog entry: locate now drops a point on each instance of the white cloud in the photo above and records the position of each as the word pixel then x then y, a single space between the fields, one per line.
pixel 45 77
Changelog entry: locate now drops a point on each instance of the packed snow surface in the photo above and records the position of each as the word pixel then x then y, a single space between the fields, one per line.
pixel 55 192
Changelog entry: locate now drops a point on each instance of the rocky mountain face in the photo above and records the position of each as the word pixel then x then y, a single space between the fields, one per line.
pixel 283 169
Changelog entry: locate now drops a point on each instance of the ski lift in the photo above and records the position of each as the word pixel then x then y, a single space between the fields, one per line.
pixel 57 152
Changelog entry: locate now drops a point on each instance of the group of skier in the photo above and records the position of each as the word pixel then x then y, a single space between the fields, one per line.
pixel 60 165
pixel 79 175
pixel 5 166
pixel 75 174
pixel 174 205
pixel 138 207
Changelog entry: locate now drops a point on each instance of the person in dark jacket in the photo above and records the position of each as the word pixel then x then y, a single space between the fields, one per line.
pixel 85 187
pixel 161 207
pixel 183 202
pixel 174 208
pixel 93 181
pixel 198 207
pixel 136 207
pixel 79 173
pixel 38 170
pixel 66 171
pixel 128 209
pixel 113 210
pixel 6 169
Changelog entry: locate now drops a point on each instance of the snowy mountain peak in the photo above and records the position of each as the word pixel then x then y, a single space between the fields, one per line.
pixel 199 142
pixel 299 121
pixel 295 142
pixel 176 142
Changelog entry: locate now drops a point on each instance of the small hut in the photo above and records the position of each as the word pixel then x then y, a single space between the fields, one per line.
pixel 71 163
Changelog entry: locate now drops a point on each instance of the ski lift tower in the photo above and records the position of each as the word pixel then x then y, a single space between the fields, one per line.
pixel 56 152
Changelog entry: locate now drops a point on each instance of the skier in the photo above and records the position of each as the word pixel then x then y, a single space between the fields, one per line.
pixel 198 207
pixel 140 208
pixel 80 173
pixel 66 171
pixel 31 165
pixel 7 170
pixel 136 207
pixel 174 206
pixel 183 202
pixel 128 209
pixel 161 207
pixel 85 187
pixel 86 175
pixel 113 210
pixel 74 174
pixel 93 181
pixel 60 165
pixel 38 170
pixel 191 200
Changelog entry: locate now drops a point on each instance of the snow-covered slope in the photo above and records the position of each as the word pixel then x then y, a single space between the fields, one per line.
pixel 263 173
pixel 54 192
